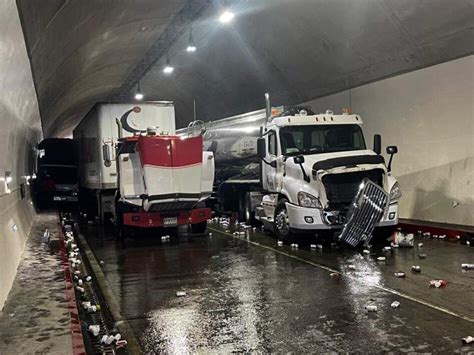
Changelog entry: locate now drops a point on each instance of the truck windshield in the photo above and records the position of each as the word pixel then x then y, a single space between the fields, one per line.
pixel 314 139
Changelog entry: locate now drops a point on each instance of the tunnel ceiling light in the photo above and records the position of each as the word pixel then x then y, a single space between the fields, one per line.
pixel 168 69
pixel 226 16
pixel 138 94
pixel 191 48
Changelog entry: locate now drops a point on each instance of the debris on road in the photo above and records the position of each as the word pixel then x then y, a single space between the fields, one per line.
pixel 381 258
pixel 101 262
pixel 467 266
pixel 294 246
pixel 351 267
pixel 313 246
pixel 416 268
pixel 399 274
pixel 94 329
pixel 468 340
pixel 395 304
pixel 420 245
pixel 280 243
pixel 387 249
pixel 180 294
pixel 438 283
pixel 366 251
pixel 422 256
pixel 370 308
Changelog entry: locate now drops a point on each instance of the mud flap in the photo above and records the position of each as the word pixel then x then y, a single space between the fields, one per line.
pixel 367 208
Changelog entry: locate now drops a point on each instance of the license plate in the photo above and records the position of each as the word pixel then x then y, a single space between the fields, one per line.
pixel 170 221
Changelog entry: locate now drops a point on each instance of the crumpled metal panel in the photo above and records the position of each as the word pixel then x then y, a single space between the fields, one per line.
pixel 366 210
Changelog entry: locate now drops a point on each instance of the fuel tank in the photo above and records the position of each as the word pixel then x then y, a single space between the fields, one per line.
pixel 233 140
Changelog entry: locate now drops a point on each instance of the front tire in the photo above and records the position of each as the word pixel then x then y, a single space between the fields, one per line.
pixel 199 228
pixel 281 222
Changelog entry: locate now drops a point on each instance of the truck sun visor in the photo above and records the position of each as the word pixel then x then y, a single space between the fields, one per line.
pixel 347 162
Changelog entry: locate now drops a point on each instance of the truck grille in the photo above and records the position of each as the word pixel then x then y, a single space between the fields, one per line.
pixel 341 188
pixel 367 209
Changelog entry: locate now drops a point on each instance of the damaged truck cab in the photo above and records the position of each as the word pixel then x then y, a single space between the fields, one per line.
pixel 313 166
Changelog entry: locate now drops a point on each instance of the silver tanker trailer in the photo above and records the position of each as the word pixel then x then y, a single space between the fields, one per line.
pixel 297 171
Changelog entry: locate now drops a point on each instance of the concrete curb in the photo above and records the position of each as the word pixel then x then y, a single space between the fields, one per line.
pixel 122 324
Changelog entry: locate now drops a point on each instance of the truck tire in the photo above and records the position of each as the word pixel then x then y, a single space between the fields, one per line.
pixel 281 223
pixel 248 213
pixel 199 228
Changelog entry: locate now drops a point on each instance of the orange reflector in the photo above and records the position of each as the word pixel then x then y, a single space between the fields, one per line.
pixel 346 111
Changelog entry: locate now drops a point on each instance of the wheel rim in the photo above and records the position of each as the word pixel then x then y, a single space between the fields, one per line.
pixel 281 221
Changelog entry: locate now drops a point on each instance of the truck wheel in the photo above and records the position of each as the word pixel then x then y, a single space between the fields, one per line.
pixel 281 222
pixel 199 228
pixel 249 214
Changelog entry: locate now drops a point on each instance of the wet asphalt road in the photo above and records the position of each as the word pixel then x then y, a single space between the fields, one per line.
pixel 248 294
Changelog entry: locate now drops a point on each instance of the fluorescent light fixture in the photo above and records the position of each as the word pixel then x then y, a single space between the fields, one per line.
pixel 138 94
pixel 226 17
pixel 191 49
pixel 168 69
pixel 191 46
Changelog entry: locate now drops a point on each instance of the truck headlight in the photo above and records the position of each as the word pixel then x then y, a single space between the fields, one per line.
pixel 395 192
pixel 307 200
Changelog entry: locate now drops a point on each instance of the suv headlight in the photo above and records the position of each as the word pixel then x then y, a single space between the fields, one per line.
pixel 307 200
pixel 395 192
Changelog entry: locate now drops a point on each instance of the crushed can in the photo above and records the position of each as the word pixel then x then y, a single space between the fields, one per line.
pixel 468 340
pixel 370 308
pixel 280 243
pixel 438 283
pixel 399 274
pixel 422 256
pixel 416 268
pixel 395 304
pixel 381 258
pixel 467 266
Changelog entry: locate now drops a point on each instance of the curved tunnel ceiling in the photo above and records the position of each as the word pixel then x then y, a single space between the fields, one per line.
pixel 85 52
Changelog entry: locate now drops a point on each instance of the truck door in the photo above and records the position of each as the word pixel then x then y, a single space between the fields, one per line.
pixel 271 165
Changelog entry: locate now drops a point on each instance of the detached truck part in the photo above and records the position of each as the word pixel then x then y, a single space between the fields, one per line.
pixel 164 181
pixel 141 174
pixel 294 170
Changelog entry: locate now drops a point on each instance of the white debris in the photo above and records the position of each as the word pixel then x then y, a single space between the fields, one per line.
pixel 210 234
pixel 381 258
pixel 351 267
pixel 294 246
pixel 102 262
pixel 394 245
pixel 467 266
pixel 80 282
pixel 420 245
pixel 180 294
pixel 88 278
pixel 416 268
pixel 118 336
pixel 442 236
pixel 77 272
pixel 387 249
pixel 94 329
pixel 313 246
pixel 319 246
pixel 366 251
pixel 468 340
pixel 93 308
pixel 422 256
pixel 395 304
pixel 457 237
pixel 86 304
pixel 399 274
pixel 370 308
pixel 80 289
pixel 280 243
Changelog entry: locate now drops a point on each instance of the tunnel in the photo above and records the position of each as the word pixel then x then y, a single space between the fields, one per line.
pixel 217 176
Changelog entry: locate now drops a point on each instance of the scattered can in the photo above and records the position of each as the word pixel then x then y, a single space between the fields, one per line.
pixel 94 329
pixel 468 340
pixel 395 304
pixel 319 246
pixel 180 294
pixel 279 243
pixel 370 308
pixel 313 246
pixel 351 267
pixel 438 283
pixel 467 266
pixel 381 258
pixel 422 256
pixel 420 245
pixel 416 268
pixel 387 249
pixel 88 278
pixel 366 251
pixel 399 274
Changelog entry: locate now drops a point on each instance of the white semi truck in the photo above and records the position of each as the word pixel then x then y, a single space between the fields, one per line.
pixel 134 167
pixel 294 170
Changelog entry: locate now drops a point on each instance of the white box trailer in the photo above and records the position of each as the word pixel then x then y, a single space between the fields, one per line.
pixel 96 137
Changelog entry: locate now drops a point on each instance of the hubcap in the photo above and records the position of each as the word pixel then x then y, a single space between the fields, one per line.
pixel 281 221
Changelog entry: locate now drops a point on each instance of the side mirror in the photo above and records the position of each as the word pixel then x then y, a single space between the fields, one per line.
pixel 106 155
pixel 299 159
pixel 261 152
pixel 392 149
pixel 377 143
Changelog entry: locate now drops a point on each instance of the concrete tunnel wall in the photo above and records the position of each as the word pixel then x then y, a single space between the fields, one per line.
pixel 429 114
pixel 20 130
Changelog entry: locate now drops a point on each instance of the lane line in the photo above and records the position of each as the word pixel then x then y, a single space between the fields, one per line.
pixel 318 265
